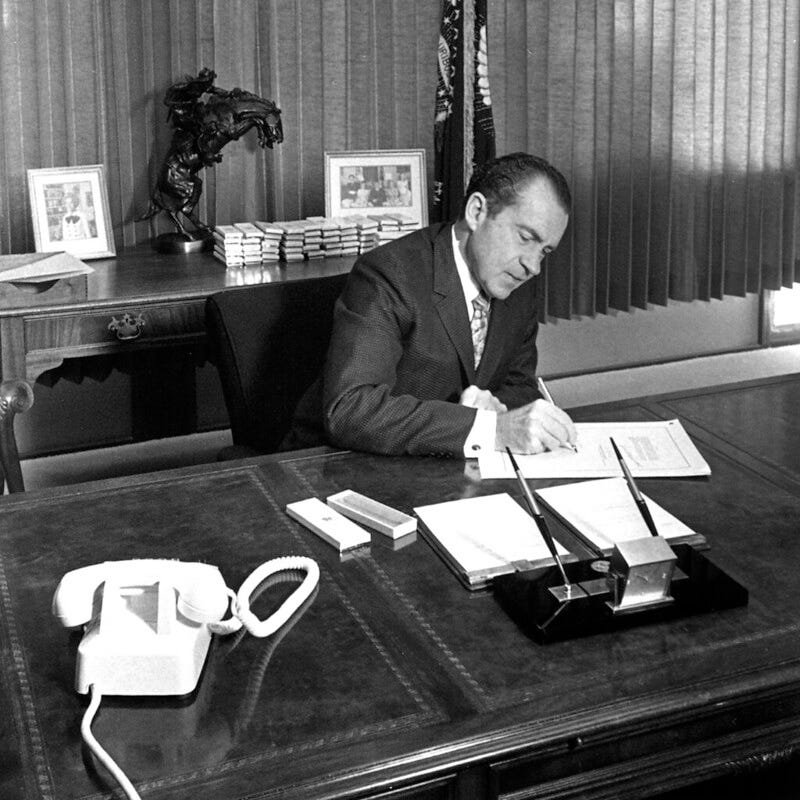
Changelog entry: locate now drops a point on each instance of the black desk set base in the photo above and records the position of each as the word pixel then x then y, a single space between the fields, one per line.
pixel 536 601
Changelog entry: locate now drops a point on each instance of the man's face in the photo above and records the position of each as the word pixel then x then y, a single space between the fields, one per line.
pixel 507 249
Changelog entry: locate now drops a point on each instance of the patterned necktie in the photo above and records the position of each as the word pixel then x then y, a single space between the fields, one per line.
pixel 479 324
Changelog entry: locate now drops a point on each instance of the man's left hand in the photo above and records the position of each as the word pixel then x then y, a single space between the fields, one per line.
pixel 474 397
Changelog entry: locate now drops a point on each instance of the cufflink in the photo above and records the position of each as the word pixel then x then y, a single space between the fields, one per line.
pixel 476 447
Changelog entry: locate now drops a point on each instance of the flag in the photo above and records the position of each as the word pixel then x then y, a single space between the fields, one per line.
pixel 463 122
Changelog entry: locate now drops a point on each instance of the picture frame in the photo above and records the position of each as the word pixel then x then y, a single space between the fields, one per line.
pixel 364 182
pixel 780 316
pixel 70 212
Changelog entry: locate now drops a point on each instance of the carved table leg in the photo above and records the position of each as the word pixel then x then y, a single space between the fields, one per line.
pixel 16 397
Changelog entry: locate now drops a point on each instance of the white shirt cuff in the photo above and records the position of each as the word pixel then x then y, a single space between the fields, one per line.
pixel 482 435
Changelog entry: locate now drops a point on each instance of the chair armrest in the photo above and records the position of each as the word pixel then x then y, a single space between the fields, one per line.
pixel 16 397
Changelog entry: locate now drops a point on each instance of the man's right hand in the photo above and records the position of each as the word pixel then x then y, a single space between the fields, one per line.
pixel 534 428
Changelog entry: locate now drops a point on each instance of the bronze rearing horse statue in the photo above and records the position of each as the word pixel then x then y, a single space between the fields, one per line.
pixel 202 129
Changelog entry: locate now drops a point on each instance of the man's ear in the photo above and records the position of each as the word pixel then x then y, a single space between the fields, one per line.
pixel 476 210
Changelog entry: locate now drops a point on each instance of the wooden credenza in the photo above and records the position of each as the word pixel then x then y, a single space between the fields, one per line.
pixel 162 295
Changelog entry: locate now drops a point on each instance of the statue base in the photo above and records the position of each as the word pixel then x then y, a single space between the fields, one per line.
pixel 181 243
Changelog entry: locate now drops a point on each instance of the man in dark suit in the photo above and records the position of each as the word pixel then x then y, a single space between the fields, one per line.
pixel 401 374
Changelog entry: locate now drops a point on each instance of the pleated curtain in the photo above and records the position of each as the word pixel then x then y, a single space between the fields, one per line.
pixel 675 121
pixel 676 124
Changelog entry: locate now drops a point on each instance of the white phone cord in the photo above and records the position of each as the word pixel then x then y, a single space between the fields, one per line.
pixel 102 756
pixel 240 602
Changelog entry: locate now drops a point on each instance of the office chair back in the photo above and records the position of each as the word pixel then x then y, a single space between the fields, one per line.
pixel 269 343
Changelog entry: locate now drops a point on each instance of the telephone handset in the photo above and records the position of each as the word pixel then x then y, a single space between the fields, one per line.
pixel 149 621
pixel 202 593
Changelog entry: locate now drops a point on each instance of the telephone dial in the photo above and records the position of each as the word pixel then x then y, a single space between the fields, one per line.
pixel 148 622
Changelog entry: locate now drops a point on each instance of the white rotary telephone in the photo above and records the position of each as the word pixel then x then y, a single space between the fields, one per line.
pixel 148 625
pixel 149 621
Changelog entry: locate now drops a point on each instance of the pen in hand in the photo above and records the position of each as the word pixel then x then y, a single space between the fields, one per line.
pixel 545 393
pixel 643 509
pixel 541 522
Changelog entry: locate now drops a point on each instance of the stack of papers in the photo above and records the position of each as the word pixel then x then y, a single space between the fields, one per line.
pixel 659 449
pixel 603 513
pixel 480 538
pixel 40 267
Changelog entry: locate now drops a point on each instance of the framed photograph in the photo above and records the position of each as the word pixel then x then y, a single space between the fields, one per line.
pixel 376 182
pixel 69 206
pixel 780 316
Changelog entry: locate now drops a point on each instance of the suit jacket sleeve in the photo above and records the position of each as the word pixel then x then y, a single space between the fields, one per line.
pixel 391 382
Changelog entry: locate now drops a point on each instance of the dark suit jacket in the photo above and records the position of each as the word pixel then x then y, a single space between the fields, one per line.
pixel 401 354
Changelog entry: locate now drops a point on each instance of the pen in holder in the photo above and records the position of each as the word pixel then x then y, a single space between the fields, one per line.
pixel 643 580
pixel 606 598
pixel 642 569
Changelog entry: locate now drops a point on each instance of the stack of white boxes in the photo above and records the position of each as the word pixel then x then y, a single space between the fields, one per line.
pixel 331 235
pixel 388 227
pixel 291 247
pixel 312 239
pixel 348 235
pixel 244 244
pixel 251 242
pixel 367 233
pixel 228 245
pixel 271 243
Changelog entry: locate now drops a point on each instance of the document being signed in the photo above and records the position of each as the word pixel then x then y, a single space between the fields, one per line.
pixel 660 449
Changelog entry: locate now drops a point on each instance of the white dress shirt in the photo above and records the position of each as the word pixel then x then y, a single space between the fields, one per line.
pixel 482 434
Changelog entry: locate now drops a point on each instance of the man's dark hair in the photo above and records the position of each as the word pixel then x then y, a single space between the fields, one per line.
pixel 501 180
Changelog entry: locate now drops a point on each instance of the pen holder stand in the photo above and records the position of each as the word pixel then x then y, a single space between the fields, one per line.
pixel 539 603
pixel 640 574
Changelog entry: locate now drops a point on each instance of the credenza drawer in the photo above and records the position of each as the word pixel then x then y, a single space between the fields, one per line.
pixel 49 339
pixel 154 322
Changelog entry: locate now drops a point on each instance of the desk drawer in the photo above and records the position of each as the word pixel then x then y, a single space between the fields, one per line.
pixel 657 756
pixel 50 339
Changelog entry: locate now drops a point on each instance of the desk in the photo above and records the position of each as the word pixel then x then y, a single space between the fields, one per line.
pixel 397 682
pixel 164 296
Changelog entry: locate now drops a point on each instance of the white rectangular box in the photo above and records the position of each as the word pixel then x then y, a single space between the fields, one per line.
pixel 328 524
pixel 378 516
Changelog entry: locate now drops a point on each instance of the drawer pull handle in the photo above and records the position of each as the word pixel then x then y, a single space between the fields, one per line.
pixel 127 328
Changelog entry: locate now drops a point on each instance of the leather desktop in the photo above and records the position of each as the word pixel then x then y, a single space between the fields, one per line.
pixel 396 681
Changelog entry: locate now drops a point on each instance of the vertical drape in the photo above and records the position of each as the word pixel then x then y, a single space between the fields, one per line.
pixel 83 82
pixel 675 122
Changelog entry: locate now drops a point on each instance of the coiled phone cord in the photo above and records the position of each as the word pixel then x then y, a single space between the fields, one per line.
pixel 240 602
